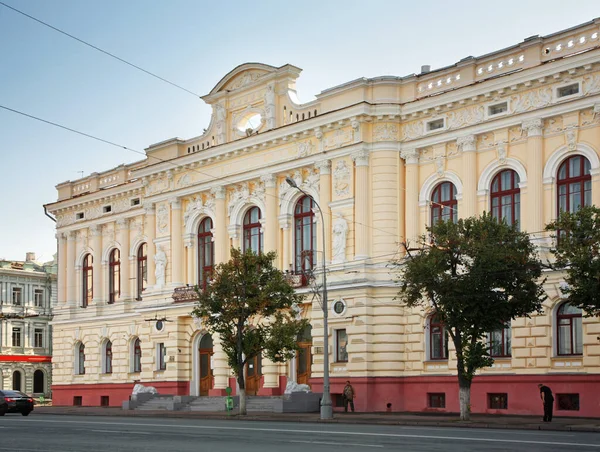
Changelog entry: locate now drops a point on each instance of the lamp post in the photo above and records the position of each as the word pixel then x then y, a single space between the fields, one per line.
pixel 326 408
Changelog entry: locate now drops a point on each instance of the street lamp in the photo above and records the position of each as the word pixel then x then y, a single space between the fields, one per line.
pixel 326 408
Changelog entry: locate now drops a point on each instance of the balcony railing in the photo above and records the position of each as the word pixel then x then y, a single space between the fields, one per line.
pixel 297 279
pixel 184 294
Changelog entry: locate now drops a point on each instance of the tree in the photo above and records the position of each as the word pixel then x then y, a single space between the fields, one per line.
pixel 248 305
pixel 577 252
pixel 476 275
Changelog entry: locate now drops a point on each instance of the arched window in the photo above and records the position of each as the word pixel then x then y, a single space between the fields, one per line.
pixel 506 197
pixel 142 269
pixel 252 231
pixel 206 251
pixel 108 357
pixel 80 364
pixel 574 184
pixel 306 235
pixel 569 330
pixel 114 275
pixel 438 339
pixel 17 378
pixel 443 203
pixel 137 356
pixel 499 341
pixel 87 281
pixel 38 382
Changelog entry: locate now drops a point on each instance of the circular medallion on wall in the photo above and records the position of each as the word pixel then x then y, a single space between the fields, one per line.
pixel 339 307
pixel 159 325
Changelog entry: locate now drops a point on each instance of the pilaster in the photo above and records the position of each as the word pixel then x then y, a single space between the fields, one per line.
pixel 71 283
pixel 270 226
pixel 221 237
pixel 467 145
pixel 535 167
pixel 324 167
pixel 176 242
pixel 95 232
pixel 411 158
pixel 126 280
pixel 150 230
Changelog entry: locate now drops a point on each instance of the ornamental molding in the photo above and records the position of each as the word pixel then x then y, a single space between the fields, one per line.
pixel 308 180
pixel 385 132
pixel 162 219
pixel 341 178
pixel 304 149
pixel 197 208
pixel 467 143
pixel 533 127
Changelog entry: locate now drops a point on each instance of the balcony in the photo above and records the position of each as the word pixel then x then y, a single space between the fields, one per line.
pixel 297 279
pixel 185 294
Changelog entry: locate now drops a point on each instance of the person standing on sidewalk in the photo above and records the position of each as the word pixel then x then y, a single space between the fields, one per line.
pixel 348 396
pixel 547 400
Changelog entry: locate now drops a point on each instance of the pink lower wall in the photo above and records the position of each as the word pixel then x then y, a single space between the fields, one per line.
pixel 410 394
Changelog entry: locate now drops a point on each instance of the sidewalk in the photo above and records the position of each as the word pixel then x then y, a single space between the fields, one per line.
pixel 408 419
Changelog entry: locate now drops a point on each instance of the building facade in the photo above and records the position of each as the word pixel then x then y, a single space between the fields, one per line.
pixel 28 292
pixel 515 132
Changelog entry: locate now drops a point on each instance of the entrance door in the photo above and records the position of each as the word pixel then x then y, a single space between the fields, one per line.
pixel 253 374
pixel 16 381
pixel 304 356
pixel 206 372
pixel 38 382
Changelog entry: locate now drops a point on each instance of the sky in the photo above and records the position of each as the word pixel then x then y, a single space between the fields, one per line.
pixel 194 43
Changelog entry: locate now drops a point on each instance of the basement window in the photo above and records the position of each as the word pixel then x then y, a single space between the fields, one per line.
pixel 567 402
pixel 436 400
pixel 498 401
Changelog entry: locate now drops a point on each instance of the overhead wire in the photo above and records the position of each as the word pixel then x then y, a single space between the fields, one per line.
pixel 122 60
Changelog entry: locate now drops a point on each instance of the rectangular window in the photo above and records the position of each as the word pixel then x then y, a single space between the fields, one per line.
pixel 436 400
pixel 104 400
pixel 498 401
pixel 499 342
pixel 17 293
pixel 436 124
pixel 38 338
pixel 567 402
pixel 135 202
pixel 162 356
pixel 498 109
pixel 77 400
pixel 16 337
pixel 341 341
pixel 38 297
pixel 79 215
pixel 107 209
pixel 568 90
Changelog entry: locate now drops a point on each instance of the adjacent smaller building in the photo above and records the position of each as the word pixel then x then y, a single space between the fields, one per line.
pixel 27 295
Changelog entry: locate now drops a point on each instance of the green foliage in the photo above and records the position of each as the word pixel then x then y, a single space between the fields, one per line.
pixel 477 275
pixel 248 305
pixel 578 253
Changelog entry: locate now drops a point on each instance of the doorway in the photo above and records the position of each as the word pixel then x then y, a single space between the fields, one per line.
pixel 206 372
pixel 38 382
pixel 16 381
pixel 304 356
pixel 253 374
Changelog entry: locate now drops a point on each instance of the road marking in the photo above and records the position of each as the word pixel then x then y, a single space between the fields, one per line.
pixel 120 431
pixel 337 444
pixel 485 431
pixel 325 432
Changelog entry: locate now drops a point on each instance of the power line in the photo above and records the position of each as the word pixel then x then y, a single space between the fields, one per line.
pixel 100 50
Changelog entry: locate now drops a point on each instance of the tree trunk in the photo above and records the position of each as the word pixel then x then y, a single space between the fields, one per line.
pixel 464 397
pixel 242 385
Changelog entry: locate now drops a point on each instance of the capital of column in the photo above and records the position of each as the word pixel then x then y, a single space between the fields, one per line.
pixel 411 156
pixel 218 192
pixel 533 127
pixel 149 208
pixel 269 180
pixel 466 143
pixel 175 203
pixel 123 223
pixel 95 230
pixel 71 236
pixel 324 166
pixel 361 158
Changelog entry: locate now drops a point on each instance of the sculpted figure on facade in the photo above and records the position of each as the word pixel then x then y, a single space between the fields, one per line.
pixel 502 152
pixel 160 263
pixel 270 106
pixel 341 176
pixel 340 231
pixel 221 116
pixel 162 219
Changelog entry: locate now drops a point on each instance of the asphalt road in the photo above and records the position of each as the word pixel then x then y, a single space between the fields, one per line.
pixel 50 433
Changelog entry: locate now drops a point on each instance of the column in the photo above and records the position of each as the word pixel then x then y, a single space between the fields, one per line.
pixel 535 167
pixel 222 237
pixel 469 160
pixel 324 167
pixel 95 232
pixel 387 203
pixel 150 231
pixel 190 249
pixel 123 224
pixel 270 232
pixel 62 269
pixel 411 158
pixel 220 369
pixel 361 204
pixel 176 243
pixel 70 268
pixel 285 222
pixel 270 372
pixel 596 172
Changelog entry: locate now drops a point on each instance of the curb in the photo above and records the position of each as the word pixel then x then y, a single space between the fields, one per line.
pixel 350 421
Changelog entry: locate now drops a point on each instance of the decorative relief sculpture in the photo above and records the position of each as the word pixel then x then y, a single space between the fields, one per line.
pixel 157 185
pixel 571 137
pixel 531 100
pixel 340 230
pixel 465 117
pixel 356 130
pixel 341 176
pixel 304 148
pixel 245 79
pixel 502 152
pixel 160 262
pixel 65 219
pixel 337 139
pixel 412 130
pixel 221 116
pixel 440 165
pixel 591 84
pixel 385 132
pixel 270 106
pixel 184 181
pixel 242 195
pixel 162 219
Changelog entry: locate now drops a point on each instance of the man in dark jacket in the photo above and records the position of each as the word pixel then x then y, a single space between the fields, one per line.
pixel 348 396
pixel 547 400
